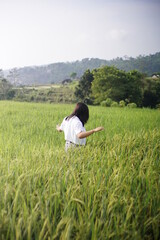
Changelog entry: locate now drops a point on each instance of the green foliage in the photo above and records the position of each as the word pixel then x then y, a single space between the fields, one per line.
pixel 93 87
pixel 107 102
pixel 6 91
pixel 83 90
pixel 158 106
pixel 104 84
pixel 103 103
pixel 11 94
pixel 50 93
pixel 134 87
pixel 57 72
pixel 151 92
pixel 73 75
pixel 110 82
pixel 107 190
pixel 13 77
pixel 114 104
pixel 147 64
pixel 132 105
pixel 122 103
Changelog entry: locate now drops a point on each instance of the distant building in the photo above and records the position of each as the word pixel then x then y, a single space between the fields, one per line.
pixel 66 81
pixel 155 76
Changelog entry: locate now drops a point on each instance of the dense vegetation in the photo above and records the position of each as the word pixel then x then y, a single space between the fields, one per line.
pixel 107 86
pixel 110 83
pixel 50 94
pixel 57 72
pixel 108 190
pixel 43 93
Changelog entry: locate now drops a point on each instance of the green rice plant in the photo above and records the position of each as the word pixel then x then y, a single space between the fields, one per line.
pixel 109 189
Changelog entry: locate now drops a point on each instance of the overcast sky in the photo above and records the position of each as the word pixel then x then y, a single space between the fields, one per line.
pixel 39 32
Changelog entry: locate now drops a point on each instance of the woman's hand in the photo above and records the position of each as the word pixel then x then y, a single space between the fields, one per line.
pixel 98 129
pixel 58 128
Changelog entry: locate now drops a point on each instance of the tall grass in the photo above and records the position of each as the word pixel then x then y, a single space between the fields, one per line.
pixel 109 189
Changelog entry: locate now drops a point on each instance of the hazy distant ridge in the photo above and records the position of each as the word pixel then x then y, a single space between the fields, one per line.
pixel 57 72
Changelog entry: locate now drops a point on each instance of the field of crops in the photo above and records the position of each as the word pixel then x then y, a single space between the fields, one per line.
pixel 109 189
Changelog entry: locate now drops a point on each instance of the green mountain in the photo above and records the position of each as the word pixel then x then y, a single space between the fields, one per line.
pixel 57 72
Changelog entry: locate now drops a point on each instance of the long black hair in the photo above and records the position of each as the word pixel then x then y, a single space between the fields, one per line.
pixel 81 111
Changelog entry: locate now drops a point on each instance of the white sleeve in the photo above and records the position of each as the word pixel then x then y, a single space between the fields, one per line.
pixel 78 127
pixel 62 125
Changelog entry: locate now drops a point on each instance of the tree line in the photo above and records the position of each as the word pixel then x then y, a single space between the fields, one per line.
pixel 109 84
pixel 57 72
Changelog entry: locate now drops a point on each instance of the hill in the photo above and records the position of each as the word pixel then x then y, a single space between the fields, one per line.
pixel 57 72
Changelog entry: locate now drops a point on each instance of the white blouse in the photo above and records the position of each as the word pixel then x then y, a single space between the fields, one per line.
pixel 71 128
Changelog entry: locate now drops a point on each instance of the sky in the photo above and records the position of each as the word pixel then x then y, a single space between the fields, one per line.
pixel 40 32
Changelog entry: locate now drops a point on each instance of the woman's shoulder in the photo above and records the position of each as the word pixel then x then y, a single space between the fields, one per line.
pixel 77 122
pixel 75 119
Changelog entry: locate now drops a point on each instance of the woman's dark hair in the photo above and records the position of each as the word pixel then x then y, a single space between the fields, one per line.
pixel 81 111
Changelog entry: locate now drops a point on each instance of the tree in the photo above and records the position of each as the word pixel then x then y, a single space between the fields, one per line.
pixel 73 75
pixel 134 87
pixel 5 88
pixel 149 99
pixel 13 76
pixel 1 74
pixel 158 91
pixel 151 92
pixel 110 82
pixel 83 90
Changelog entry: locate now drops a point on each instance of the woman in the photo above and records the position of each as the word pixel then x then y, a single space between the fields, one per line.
pixel 73 127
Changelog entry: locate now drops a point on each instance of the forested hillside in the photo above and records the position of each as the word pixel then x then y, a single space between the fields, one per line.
pixel 57 72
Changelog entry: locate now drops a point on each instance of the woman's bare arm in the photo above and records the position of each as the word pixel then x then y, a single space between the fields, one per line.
pixel 88 133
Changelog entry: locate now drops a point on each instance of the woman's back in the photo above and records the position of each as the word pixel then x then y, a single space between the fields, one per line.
pixel 71 128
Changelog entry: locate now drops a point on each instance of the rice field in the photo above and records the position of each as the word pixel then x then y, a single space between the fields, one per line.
pixel 109 189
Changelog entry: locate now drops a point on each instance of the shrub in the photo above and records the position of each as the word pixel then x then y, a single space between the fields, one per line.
pixel 158 106
pixel 11 93
pixel 122 103
pixel 108 102
pixel 49 93
pixel 32 98
pixel 103 103
pixel 114 104
pixel 132 105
